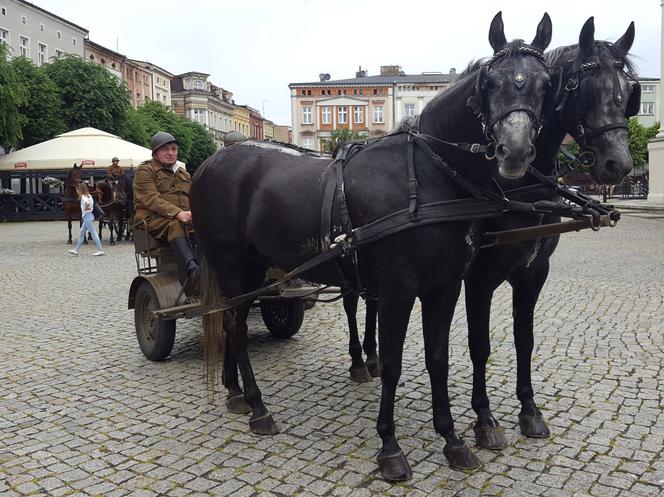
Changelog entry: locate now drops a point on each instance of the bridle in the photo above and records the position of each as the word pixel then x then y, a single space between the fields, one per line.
pixel 519 80
pixel 585 134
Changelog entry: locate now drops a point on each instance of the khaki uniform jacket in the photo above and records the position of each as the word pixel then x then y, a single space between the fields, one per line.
pixel 159 191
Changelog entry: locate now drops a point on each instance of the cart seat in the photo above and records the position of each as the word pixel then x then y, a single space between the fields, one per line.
pixel 147 245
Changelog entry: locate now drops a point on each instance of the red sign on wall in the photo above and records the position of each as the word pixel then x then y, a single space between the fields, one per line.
pixel 87 163
pixel 21 165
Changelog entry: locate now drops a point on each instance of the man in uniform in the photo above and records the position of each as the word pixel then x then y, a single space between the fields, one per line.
pixel 161 198
pixel 114 170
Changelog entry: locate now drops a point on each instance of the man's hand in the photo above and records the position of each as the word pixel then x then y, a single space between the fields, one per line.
pixel 184 217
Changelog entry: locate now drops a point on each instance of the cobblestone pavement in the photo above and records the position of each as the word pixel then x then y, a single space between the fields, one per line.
pixel 82 412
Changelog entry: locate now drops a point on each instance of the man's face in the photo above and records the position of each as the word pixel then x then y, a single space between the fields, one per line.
pixel 167 155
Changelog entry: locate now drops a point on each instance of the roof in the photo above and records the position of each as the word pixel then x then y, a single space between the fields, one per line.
pixel 383 80
pixel 88 41
pixel 149 65
pixel 88 146
pixel 33 6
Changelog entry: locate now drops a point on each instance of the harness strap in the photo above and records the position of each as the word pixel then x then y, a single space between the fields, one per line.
pixel 412 179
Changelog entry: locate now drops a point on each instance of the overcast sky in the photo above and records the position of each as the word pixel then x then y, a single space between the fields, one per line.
pixel 255 48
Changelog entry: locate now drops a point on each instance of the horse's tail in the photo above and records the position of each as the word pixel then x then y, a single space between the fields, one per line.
pixel 213 326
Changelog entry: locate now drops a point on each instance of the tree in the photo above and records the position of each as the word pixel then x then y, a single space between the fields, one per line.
pixel 90 95
pixel 196 143
pixel 339 136
pixel 639 136
pixel 42 108
pixel 12 97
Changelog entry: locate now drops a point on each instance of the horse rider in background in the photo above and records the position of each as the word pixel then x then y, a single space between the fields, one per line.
pixel 161 199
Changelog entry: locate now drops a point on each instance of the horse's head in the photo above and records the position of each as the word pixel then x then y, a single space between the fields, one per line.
pixel 509 94
pixel 599 95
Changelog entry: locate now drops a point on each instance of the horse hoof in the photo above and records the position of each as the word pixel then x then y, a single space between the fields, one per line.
pixel 263 425
pixel 490 437
pixel 360 375
pixel 374 370
pixel 461 457
pixel 533 426
pixel 394 467
pixel 237 405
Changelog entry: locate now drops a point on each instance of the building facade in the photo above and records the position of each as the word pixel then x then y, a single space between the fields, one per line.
pixel 283 133
pixel 241 120
pixel 194 97
pixel 112 61
pixel 268 129
pixel 139 83
pixel 160 81
pixel 37 34
pixel 650 95
pixel 368 105
pixel 255 123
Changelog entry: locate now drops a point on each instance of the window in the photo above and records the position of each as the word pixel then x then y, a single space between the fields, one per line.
pixel 3 11
pixel 647 109
pixel 73 41
pixel 409 110
pixel 343 115
pixel 327 116
pixel 306 115
pixel 42 54
pixel 378 114
pixel 24 20
pixel 59 35
pixel 358 115
pixel 199 115
pixel 308 142
pixel 198 84
pixel 59 53
pixel 158 96
pixel 41 27
pixel 4 36
pixel 648 88
pixel 375 91
pixel 24 46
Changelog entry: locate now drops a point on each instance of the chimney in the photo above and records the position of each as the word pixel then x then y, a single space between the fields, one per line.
pixel 390 70
pixel 361 73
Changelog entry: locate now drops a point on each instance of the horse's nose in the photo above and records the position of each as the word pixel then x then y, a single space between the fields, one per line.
pixel 525 155
pixel 502 151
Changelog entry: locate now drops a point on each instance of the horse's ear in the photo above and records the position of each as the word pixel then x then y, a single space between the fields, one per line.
pixel 497 33
pixel 587 38
pixel 543 35
pixel 624 43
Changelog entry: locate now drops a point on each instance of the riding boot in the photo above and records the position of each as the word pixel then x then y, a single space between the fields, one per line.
pixel 188 268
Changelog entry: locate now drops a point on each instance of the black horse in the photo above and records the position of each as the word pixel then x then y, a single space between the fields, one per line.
pixel 71 204
pixel 597 97
pixel 256 206
pixel 115 200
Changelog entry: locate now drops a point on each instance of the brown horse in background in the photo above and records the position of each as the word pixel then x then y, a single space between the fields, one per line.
pixel 70 202
pixel 114 201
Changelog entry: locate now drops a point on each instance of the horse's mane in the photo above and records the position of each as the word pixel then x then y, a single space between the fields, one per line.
pixel 603 53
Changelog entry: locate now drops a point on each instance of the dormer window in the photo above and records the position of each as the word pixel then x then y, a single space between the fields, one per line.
pixel 198 84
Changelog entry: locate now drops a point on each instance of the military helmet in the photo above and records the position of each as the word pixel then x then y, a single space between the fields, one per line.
pixel 233 137
pixel 161 138
pixel 115 159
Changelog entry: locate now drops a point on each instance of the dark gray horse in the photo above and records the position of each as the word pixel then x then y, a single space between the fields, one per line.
pixel 597 97
pixel 257 206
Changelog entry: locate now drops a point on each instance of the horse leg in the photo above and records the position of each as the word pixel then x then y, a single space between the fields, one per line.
pixel 101 225
pixel 235 402
pixel 111 227
pixel 358 370
pixel 235 275
pixel 393 317
pixel 488 432
pixel 526 288
pixel 69 240
pixel 369 343
pixel 437 313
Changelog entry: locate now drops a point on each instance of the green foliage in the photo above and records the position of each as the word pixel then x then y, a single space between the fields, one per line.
pixel 339 136
pixel 42 107
pixel 639 136
pixel 12 97
pixel 90 95
pixel 196 143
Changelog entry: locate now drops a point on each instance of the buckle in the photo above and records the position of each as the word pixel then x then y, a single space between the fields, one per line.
pixel 475 148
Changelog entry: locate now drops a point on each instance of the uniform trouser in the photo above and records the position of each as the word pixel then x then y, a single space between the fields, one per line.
pixel 164 228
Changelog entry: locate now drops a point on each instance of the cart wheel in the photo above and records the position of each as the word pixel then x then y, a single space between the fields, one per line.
pixel 283 318
pixel 155 336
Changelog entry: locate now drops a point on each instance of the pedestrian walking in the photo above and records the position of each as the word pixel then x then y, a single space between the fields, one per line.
pixel 87 226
